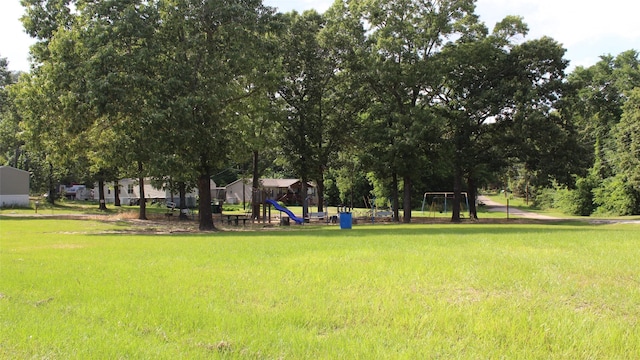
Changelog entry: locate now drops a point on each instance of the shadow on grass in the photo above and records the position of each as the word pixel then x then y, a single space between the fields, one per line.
pixel 420 230
pixel 67 217
pixel 330 231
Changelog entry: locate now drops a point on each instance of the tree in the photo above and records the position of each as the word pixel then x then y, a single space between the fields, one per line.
pixel 95 64
pixel 308 71
pixel 475 99
pixel 10 143
pixel 208 65
pixel 403 38
pixel 323 100
pixel 42 128
pixel 597 104
pixel 627 140
pixel 493 86
pixel 257 129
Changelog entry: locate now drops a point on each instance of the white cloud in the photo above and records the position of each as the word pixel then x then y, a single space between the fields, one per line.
pixel 587 29
pixel 14 42
pixel 288 5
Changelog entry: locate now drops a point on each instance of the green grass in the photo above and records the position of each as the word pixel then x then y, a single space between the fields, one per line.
pixel 76 290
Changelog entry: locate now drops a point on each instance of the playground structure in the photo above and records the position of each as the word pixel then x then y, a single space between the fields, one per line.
pixel 283 209
pixel 440 201
pixel 261 212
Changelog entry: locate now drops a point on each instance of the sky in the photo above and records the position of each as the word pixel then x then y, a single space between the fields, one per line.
pixel 586 28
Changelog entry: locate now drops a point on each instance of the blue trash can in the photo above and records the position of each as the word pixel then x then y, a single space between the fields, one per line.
pixel 345 220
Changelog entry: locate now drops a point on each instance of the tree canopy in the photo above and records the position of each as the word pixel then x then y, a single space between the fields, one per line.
pixel 416 95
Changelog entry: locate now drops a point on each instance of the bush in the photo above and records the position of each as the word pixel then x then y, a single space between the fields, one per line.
pixel 616 197
pixel 544 198
pixel 578 201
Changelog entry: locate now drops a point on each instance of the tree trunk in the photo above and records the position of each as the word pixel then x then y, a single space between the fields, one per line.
pixel 52 188
pixel 143 201
pixel 303 195
pixel 457 190
pixel 204 207
pixel 116 194
pixel 406 202
pixel 396 197
pixel 182 189
pixel 16 158
pixel 472 192
pixel 320 191
pixel 255 187
pixel 101 198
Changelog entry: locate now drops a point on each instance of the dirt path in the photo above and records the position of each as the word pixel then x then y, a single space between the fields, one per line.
pixel 493 206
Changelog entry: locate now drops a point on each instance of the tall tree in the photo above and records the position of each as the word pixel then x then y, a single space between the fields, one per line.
pixel 208 65
pixel 493 84
pixel 627 152
pixel 403 38
pixel 476 96
pixel 257 131
pixel 323 100
pixel 10 142
pixel 121 71
pixel 308 71
pixel 596 104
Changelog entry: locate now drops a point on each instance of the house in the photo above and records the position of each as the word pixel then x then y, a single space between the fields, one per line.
pixel 14 187
pixel 129 191
pixel 285 190
pixel 75 192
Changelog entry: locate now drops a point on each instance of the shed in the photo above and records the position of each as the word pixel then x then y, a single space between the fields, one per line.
pixel 14 187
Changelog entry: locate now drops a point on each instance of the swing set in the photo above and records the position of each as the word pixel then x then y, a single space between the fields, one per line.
pixel 441 201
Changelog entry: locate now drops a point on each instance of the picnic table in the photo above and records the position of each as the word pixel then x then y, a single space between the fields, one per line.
pixel 236 218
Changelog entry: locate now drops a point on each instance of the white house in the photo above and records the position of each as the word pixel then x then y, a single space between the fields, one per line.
pixel 238 191
pixel 130 193
pixel 14 187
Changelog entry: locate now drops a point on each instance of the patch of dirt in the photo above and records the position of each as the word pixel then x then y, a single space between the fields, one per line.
pixel 160 225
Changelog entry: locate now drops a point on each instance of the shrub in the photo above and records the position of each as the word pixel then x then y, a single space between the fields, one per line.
pixel 578 201
pixel 544 198
pixel 616 197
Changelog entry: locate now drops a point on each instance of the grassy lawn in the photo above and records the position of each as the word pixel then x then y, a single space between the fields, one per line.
pixel 81 289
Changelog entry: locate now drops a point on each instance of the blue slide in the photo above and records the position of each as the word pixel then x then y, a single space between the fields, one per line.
pixel 292 216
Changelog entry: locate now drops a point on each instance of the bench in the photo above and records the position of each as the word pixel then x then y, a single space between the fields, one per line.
pixel 171 207
pixel 317 216
pixel 384 213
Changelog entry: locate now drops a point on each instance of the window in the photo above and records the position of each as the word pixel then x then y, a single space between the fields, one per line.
pixel 130 189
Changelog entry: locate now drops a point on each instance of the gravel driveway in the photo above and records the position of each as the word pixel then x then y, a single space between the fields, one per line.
pixel 493 206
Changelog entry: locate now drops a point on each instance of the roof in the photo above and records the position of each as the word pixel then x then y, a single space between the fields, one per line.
pixel 278 183
pixel 12 169
pixel 272 183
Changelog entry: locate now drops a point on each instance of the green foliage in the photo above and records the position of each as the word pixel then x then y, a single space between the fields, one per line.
pixel 543 198
pixel 419 92
pixel 627 137
pixel 604 105
pixel 11 145
pixel 331 192
pixel 617 197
